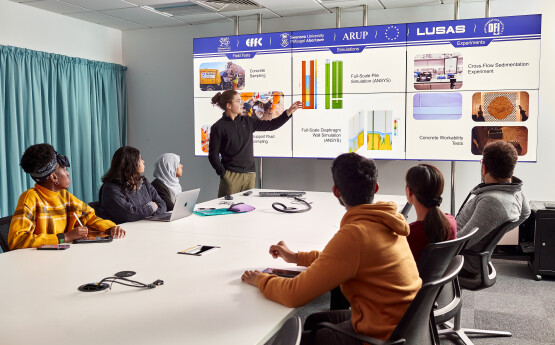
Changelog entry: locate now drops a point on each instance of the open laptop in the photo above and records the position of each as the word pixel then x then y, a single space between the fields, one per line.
pixel 183 207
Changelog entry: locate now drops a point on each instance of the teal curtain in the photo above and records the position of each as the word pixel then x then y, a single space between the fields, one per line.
pixel 79 106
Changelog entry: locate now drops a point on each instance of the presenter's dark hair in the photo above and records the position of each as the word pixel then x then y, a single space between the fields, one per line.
pixel 221 99
pixel 355 177
pixel 500 159
pixel 426 183
pixel 124 168
pixel 36 157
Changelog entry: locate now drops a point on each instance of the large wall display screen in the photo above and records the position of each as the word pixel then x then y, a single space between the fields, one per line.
pixel 435 91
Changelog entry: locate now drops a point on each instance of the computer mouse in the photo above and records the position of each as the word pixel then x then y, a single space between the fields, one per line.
pixel 228 197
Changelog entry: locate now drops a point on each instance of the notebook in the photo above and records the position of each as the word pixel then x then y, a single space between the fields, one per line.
pixel 183 207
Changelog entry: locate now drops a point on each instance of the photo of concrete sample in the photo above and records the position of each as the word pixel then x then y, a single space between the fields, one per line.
pixel 438 71
pixel 379 130
pixel 437 106
pixel 224 75
pixel 516 135
pixel 506 106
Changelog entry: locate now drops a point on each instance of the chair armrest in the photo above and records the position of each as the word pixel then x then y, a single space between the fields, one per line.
pixel 352 334
pixel 485 280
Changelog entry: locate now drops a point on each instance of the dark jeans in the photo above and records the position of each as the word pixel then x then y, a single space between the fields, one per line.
pixel 325 336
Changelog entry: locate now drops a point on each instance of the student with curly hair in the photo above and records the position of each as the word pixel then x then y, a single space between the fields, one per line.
pixel 126 195
pixel 48 213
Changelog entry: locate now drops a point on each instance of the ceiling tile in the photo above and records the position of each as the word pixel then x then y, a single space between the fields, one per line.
pixel 98 5
pixel 22 1
pixel 144 17
pixel 265 13
pixel 57 6
pixel 105 20
pixel 203 18
pixel 291 7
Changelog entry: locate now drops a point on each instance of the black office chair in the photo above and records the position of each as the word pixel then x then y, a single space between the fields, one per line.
pixel 417 325
pixel 289 333
pixel 406 209
pixel 436 257
pixel 450 297
pixel 4 230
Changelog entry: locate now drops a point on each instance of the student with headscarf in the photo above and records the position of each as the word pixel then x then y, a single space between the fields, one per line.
pixel 167 170
pixel 48 213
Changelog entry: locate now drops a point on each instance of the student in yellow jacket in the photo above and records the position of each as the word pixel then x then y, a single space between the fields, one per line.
pixel 47 213
pixel 369 257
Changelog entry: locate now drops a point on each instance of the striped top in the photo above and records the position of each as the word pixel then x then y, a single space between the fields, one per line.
pixel 41 214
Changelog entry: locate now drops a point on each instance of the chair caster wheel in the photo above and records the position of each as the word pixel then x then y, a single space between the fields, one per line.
pixel 538 277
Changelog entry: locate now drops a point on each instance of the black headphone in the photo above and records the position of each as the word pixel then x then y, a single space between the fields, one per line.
pixel 285 209
pixel 119 278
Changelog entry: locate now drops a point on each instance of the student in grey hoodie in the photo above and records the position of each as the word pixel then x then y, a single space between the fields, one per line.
pixel 497 200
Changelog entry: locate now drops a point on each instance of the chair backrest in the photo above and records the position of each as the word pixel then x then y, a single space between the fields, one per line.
pixel 485 248
pixel 436 257
pixel 289 333
pixel 417 325
pixel 4 230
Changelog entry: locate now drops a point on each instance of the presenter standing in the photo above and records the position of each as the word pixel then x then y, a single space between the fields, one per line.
pixel 231 136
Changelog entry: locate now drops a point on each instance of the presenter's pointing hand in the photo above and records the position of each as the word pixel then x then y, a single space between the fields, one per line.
pixel 293 108
pixel 281 250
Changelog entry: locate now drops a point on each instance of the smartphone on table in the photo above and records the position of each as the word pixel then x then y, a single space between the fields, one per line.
pixel 53 247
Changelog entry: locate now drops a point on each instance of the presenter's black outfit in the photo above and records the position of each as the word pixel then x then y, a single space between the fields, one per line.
pixel 233 140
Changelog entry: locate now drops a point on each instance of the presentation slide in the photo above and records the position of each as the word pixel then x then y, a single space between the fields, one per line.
pixel 426 91
pixel 472 82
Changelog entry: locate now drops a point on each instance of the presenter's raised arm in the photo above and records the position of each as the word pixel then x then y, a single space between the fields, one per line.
pixel 296 105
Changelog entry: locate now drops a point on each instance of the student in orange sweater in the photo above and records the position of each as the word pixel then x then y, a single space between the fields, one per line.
pixel 369 258
pixel 46 213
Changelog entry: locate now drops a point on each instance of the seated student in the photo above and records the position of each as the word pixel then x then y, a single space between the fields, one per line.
pixel 424 188
pixel 497 200
pixel 369 257
pixel 46 213
pixel 126 195
pixel 167 169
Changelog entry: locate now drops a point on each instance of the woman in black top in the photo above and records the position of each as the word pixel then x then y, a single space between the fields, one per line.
pixel 231 137
pixel 167 170
pixel 126 195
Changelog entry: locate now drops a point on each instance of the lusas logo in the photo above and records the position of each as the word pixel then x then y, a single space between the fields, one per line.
pixel 360 35
pixel 494 27
pixel 440 30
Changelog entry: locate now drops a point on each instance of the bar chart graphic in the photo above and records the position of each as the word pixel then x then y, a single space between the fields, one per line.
pixel 334 84
pixel 378 137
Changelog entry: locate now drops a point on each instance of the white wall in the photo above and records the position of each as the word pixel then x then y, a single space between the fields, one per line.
pixel 160 94
pixel 32 28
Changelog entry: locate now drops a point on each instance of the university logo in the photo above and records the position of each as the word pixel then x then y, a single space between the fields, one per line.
pixel 284 39
pixel 224 42
pixel 494 27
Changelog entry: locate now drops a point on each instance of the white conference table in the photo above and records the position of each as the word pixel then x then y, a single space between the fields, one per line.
pixel 202 301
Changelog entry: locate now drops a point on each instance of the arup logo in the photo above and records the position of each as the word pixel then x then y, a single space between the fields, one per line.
pixel 355 35
pixel 284 39
pixel 253 42
pixel 224 42
pixel 494 27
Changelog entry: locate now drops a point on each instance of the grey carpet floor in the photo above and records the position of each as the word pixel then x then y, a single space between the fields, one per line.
pixel 516 303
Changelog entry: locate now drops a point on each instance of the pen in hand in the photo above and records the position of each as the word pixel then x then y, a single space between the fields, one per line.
pixel 78 221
